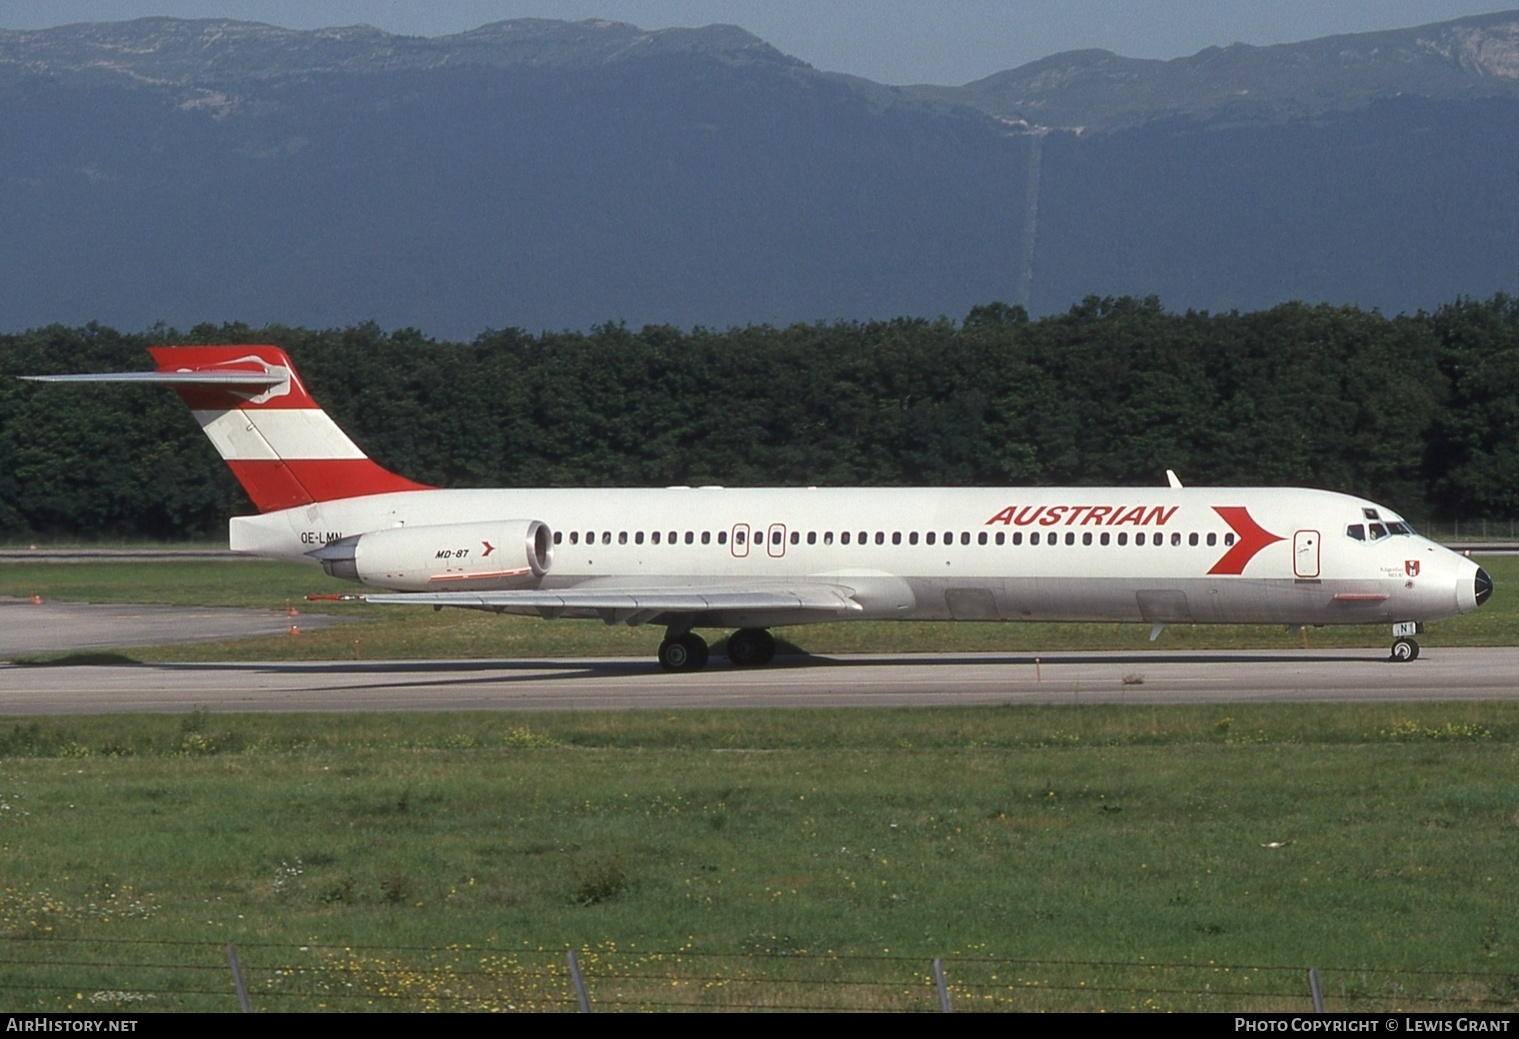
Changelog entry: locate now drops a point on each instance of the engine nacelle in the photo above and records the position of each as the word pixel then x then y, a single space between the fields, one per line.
pixel 444 556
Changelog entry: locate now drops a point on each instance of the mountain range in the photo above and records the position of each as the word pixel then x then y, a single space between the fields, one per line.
pixel 544 175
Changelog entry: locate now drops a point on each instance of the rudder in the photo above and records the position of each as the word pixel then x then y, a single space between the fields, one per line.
pixel 282 447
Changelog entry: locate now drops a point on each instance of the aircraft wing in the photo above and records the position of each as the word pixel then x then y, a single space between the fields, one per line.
pixel 631 605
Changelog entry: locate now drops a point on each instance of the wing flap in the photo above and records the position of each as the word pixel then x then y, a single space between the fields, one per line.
pixel 820 598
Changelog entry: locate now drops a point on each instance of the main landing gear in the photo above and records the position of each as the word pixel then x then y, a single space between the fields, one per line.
pixel 687 651
pixel 751 647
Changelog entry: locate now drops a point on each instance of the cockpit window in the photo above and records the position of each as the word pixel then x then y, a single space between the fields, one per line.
pixel 1378 531
pixel 1357 531
pixel 1400 528
pixel 1370 514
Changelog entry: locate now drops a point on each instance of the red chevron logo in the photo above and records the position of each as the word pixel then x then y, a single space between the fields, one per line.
pixel 1252 538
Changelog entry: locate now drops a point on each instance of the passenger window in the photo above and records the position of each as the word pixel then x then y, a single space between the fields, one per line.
pixel 981 538
pixel 638 538
pixel 864 537
pixel 1176 538
pixel 1105 537
pixel 1192 540
pixel 812 537
pixel 1001 538
pixel 558 537
pixel 1086 537
pixel 930 537
pixel 574 537
pixel 1033 538
pixel 964 537
pixel 949 537
pixel 690 537
pixel 706 537
pixel 1123 537
pixel 912 538
pixel 1212 539
pixel 673 538
pixel 722 537
pixel 896 537
pixel 1070 537
pixel 880 537
pixel 844 538
pixel 1229 538
pixel 1139 539
pixel 654 537
pixel 827 537
pixel 796 538
pixel 606 537
pixel 1017 537
pixel 622 537
pixel 738 537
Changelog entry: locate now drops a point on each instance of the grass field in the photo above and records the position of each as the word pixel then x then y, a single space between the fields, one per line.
pixel 1103 857
pixel 425 860
pixel 412 633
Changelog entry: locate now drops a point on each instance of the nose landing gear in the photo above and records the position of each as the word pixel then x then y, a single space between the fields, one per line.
pixel 1404 647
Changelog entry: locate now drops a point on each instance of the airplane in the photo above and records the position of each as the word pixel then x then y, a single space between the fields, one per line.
pixel 753 559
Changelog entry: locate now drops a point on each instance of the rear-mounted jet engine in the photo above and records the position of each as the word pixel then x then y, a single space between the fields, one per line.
pixel 460 556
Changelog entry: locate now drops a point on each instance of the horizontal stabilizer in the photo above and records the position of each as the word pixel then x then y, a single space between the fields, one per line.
pixel 171 378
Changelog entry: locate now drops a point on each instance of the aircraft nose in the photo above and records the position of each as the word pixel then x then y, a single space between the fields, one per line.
pixel 1483 586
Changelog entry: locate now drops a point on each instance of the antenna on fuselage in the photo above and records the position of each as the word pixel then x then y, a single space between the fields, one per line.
pixel 1172 479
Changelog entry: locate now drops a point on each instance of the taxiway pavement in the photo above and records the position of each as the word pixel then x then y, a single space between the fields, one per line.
pixel 28 628
pixel 853 681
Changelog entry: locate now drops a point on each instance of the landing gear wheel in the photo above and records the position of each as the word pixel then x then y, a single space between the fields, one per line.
pixel 1404 650
pixel 686 652
pixel 751 647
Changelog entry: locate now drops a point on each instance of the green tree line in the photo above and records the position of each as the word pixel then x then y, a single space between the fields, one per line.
pixel 1420 412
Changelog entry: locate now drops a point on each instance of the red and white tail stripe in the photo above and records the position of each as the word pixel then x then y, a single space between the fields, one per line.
pixel 280 445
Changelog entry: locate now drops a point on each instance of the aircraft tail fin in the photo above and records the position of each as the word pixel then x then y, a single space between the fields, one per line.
pixel 282 447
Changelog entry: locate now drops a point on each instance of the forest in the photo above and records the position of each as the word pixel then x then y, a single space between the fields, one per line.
pixel 1419 412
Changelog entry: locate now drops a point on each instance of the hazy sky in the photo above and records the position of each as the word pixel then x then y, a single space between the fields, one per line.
pixel 891 41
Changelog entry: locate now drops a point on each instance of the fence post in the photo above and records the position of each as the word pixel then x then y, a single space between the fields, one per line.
pixel 237 979
pixel 944 1007
pixel 579 982
pixel 1315 991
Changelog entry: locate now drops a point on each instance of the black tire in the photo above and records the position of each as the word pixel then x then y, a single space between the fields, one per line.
pixel 751 647
pixel 687 652
pixel 1404 650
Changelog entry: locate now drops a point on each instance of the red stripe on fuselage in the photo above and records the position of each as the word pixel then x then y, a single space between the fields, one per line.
pixel 1252 538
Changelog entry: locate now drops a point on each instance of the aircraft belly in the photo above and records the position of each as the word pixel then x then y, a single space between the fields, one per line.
pixel 1199 601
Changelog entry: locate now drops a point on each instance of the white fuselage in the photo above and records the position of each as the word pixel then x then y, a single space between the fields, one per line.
pixel 1156 555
